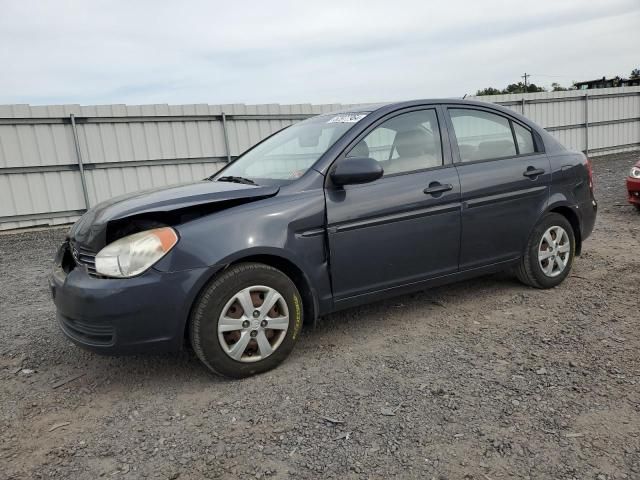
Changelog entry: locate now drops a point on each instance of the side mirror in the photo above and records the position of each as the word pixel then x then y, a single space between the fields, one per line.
pixel 350 171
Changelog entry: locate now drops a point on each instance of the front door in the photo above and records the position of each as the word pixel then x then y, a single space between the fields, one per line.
pixel 504 178
pixel 405 226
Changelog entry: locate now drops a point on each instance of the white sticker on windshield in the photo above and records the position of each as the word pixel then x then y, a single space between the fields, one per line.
pixel 347 118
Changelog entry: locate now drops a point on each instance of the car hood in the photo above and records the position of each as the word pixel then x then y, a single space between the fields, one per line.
pixel 90 230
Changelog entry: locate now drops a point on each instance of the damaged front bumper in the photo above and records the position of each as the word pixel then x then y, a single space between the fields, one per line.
pixel 118 316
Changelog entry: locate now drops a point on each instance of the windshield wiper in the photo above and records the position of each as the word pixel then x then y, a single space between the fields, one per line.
pixel 230 178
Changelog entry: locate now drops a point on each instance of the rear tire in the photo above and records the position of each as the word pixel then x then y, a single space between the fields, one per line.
pixel 236 341
pixel 549 254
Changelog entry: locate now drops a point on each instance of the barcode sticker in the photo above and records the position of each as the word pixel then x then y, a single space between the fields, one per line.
pixel 347 118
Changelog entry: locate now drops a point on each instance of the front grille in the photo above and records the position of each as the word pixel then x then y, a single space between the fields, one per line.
pixel 85 258
pixel 88 333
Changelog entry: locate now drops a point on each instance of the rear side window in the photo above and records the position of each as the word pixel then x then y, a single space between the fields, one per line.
pixel 482 135
pixel 524 139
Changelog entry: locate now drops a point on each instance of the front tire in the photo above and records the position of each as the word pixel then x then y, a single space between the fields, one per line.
pixel 550 252
pixel 246 321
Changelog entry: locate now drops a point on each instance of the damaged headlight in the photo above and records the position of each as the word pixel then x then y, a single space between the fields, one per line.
pixel 131 255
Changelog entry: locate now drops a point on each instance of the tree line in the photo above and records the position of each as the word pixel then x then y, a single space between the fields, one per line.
pixel 520 87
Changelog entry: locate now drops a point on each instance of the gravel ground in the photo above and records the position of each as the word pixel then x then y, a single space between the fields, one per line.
pixel 484 379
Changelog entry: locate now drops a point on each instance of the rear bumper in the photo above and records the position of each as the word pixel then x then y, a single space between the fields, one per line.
pixel 588 213
pixel 147 313
pixel 633 189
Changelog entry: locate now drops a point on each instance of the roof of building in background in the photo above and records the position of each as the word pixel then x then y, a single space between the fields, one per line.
pixel 607 83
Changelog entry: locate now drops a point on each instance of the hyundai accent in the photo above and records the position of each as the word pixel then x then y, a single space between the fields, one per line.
pixel 336 211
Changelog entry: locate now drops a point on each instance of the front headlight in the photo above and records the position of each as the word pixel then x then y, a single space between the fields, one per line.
pixel 635 172
pixel 131 255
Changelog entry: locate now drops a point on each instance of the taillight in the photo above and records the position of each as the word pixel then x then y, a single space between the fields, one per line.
pixel 590 172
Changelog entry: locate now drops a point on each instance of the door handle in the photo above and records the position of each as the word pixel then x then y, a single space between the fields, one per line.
pixel 435 188
pixel 533 172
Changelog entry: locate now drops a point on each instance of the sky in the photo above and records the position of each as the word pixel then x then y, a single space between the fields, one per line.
pixel 274 51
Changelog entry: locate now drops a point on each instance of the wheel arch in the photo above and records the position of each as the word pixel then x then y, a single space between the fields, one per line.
pixel 572 216
pixel 282 263
pixel 294 272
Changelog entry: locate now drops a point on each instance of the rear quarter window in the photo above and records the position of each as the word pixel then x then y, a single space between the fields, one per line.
pixel 524 137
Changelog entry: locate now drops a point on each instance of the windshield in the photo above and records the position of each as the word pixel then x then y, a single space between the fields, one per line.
pixel 288 154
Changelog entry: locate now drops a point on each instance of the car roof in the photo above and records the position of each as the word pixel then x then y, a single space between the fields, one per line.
pixel 381 109
pixel 372 107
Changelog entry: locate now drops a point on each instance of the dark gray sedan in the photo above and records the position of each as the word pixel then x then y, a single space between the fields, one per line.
pixel 335 211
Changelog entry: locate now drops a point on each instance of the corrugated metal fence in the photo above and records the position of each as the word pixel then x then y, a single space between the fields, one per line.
pixel 56 160
pixel 597 122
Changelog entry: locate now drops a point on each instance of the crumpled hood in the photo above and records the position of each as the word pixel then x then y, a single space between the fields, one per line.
pixel 90 229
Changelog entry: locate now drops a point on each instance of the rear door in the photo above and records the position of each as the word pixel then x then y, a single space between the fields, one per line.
pixel 504 179
pixel 405 226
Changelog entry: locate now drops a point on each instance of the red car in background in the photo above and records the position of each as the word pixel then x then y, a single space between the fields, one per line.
pixel 633 185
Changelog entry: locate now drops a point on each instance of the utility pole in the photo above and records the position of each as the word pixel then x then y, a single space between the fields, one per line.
pixel 526 76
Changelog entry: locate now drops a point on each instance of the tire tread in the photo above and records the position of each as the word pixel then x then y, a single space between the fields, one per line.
pixel 214 285
pixel 524 269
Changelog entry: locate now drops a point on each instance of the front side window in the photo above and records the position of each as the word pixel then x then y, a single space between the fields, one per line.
pixel 482 135
pixel 288 154
pixel 404 143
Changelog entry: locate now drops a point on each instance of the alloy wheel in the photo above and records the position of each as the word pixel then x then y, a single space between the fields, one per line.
pixel 253 323
pixel 554 251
